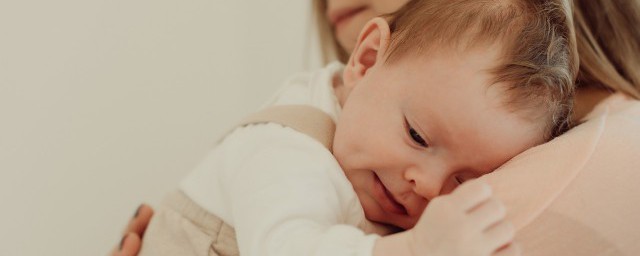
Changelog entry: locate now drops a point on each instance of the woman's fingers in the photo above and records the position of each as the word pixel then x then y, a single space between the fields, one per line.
pixel 130 245
pixel 131 241
pixel 140 220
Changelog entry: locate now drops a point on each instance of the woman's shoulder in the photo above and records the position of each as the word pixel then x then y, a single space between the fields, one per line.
pixel 617 105
pixel 618 117
pixel 607 142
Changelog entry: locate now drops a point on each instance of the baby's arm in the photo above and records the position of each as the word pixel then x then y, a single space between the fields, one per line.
pixel 284 200
pixel 289 197
pixel 467 222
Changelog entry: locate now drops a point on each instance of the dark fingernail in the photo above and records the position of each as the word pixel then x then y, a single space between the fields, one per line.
pixel 137 212
pixel 122 242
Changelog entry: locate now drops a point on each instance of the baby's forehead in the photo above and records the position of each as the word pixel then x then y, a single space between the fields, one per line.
pixel 453 66
pixel 480 68
pixel 454 98
pixel 473 128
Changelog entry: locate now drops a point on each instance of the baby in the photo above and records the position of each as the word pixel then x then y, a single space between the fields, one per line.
pixel 434 95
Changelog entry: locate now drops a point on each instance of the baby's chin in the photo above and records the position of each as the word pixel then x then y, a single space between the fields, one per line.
pixel 382 229
pixel 401 224
pixel 393 221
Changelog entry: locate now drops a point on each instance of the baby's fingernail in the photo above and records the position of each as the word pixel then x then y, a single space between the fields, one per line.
pixel 137 212
pixel 122 242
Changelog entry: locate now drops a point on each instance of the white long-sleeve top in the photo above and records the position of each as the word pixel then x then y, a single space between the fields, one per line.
pixel 282 191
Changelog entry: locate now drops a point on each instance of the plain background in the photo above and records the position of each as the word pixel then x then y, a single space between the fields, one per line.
pixel 105 104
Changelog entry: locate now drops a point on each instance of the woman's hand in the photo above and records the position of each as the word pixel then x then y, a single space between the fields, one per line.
pixel 131 241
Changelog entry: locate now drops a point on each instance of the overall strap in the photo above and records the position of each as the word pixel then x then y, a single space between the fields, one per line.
pixel 302 118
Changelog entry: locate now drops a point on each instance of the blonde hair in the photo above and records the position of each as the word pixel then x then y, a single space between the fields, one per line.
pixel 608 35
pixel 539 62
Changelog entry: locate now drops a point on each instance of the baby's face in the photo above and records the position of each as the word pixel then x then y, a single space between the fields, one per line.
pixel 418 127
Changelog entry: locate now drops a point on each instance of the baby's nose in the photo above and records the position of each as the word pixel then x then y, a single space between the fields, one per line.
pixel 427 184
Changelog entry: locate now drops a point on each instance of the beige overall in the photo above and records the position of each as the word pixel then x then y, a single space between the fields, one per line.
pixel 181 227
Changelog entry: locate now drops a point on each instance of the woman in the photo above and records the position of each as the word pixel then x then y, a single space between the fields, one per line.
pixel 609 48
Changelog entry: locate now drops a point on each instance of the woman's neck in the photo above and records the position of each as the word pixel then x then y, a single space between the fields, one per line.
pixel 586 100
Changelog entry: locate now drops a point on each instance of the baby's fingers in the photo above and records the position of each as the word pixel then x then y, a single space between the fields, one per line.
pixel 488 214
pixel 500 234
pixel 470 194
pixel 512 249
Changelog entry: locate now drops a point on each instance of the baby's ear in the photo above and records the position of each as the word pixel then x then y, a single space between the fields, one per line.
pixel 370 50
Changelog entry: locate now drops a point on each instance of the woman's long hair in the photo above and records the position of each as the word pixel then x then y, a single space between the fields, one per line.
pixel 329 46
pixel 608 36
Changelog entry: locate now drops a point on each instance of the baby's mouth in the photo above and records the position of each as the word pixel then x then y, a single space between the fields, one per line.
pixel 386 199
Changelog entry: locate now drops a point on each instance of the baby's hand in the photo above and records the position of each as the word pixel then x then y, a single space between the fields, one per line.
pixel 468 221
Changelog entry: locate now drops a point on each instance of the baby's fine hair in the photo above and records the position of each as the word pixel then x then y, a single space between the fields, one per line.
pixel 539 61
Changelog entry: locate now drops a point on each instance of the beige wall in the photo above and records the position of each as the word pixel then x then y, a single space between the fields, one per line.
pixel 108 103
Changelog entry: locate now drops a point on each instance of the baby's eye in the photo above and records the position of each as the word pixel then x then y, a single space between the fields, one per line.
pixel 459 180
pixel 417 138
